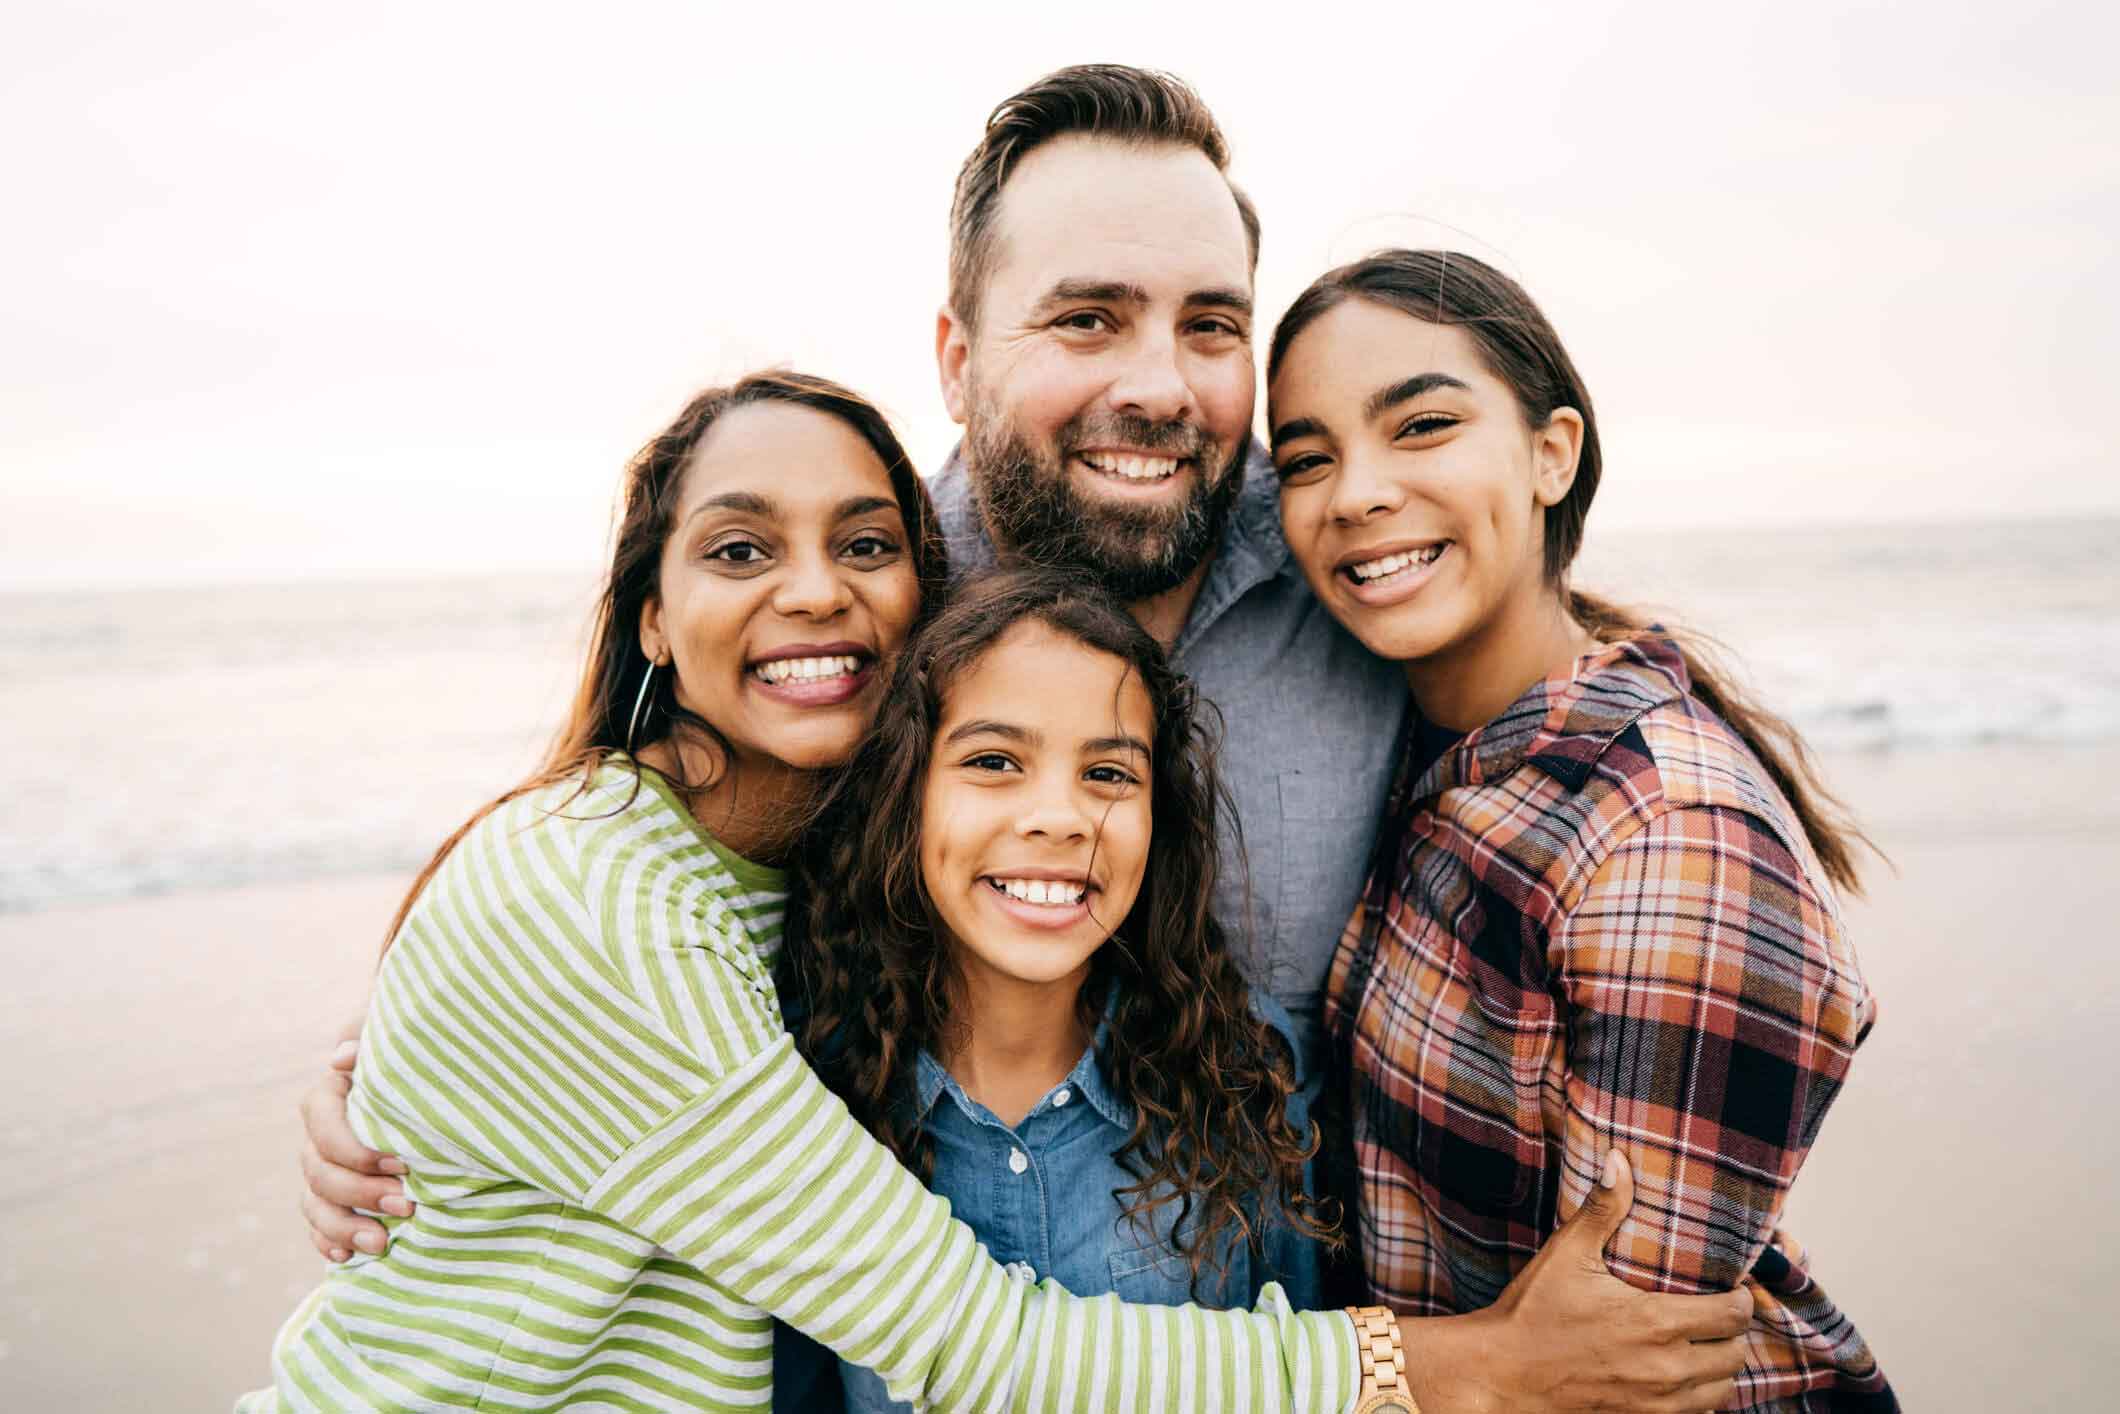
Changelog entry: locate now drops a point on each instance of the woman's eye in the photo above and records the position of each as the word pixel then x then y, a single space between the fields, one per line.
pixel 990 761
pixel 1297 466
pixel 868 547
pixel 1111 776
pixel 1423 424
pixel 737 552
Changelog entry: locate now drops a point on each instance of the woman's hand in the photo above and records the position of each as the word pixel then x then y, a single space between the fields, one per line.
pixel 341 1172
pixel 1568 1335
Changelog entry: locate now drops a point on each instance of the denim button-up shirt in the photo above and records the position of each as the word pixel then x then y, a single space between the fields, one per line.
pixel 1040 1197
pixel 1309 719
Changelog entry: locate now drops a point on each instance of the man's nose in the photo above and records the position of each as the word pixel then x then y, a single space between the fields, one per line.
pixel 1151 384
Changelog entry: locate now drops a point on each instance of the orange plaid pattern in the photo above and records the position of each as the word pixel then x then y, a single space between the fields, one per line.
pixel 1595 922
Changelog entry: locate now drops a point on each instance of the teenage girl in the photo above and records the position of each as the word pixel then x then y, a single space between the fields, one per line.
pixel 1602 912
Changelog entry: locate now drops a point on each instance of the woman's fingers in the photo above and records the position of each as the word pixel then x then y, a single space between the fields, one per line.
pixel 333 1229
pixel 323 1110
pixel 349 1188
pixel 342 1174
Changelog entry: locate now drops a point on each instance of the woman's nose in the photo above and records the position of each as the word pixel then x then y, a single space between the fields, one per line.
pixel 812 587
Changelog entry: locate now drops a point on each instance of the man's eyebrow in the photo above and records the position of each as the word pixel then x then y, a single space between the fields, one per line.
pixel 1296 427
pixel 1221 297
pixel 986 726
pixel 1407 388
pixel 1102 744
pixel 1094 291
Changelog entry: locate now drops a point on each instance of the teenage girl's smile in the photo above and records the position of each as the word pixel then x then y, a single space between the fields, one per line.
pixel 1390 573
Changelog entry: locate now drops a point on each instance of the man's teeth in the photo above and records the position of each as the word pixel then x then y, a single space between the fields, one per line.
pixel 1045 891
pixel 1369 571
pixel 808 669
pixel 1132 468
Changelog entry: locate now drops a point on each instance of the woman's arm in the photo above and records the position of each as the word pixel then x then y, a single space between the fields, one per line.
pixel 594 1020
pixel 768 1186
pixel 1714 1008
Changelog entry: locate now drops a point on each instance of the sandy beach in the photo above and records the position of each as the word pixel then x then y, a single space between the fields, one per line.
pixel 1958 1205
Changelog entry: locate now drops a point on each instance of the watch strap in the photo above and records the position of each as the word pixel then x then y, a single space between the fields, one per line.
pixel 1381 1350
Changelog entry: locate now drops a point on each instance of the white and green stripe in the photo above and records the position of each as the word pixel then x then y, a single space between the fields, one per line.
pixel 624 1170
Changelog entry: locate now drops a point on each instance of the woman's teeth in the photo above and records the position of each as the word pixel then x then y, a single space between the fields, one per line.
pixel 1051 892
pixel 1130 467
pixel 1391 566
pixel 808 669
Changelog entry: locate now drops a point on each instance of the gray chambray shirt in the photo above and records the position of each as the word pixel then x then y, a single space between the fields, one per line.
pixel 1310 719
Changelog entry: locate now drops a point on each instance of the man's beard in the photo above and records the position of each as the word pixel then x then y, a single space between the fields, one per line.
pixel 1035 512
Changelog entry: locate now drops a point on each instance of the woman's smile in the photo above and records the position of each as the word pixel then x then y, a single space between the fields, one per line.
pixel 814 674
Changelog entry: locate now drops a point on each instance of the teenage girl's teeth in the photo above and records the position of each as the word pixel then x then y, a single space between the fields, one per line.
pixel 1370 571
pixel 808 669
pixel 1132 468
pixel 1051 892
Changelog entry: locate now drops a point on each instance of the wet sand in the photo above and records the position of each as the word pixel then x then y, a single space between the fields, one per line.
pixel 1958 1204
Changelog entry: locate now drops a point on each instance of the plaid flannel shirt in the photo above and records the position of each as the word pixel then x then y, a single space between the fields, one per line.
pixel 1595 922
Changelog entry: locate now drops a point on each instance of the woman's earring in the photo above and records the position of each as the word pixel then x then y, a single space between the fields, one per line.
pixel 640 700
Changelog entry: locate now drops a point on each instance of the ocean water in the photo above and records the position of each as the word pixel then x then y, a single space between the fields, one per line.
pixel 204 737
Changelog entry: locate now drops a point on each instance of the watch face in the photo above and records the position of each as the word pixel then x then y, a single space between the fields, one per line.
pixel 1385 1404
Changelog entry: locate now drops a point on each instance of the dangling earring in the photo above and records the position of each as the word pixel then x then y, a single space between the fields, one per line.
pixel 640 700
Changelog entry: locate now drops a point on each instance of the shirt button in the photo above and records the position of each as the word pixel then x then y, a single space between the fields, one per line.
pixel 1061 1096
pixel 1018 1161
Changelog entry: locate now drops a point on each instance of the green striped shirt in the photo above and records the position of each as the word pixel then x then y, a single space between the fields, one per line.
pixel 624 1172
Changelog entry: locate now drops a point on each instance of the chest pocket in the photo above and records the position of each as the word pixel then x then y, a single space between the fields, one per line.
pixel 1156 1274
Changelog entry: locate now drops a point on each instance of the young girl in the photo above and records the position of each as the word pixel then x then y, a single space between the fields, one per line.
pixel 622 1168
pixel 1014 979
pixel 1602 911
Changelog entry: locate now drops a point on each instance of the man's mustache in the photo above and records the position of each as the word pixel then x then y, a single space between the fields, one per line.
pixel 1174 439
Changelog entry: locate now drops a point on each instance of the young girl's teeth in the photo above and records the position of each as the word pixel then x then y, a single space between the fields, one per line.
pixel 1371 570
pixel 1043 891
pixel 808 669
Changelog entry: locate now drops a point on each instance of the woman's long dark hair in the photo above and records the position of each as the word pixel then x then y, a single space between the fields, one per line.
pixel 597 722
pixel 1521 348
pixel 870 973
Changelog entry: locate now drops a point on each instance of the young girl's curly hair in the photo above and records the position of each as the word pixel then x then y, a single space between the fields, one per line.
pixel 869 975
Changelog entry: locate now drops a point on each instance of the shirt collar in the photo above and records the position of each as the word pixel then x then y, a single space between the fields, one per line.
pixel 932 1080
pixel 1564 724
pixel 1252 551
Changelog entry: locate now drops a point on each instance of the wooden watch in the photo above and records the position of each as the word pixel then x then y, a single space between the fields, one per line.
pixel 1384 1388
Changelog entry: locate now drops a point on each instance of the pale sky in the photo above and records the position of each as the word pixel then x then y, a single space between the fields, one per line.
pixel 293 290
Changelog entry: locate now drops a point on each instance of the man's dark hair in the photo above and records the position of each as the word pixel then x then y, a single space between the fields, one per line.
pixel 1105 100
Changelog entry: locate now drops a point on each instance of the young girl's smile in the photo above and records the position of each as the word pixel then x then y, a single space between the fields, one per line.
pixel 1037 807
